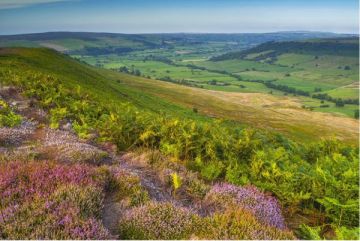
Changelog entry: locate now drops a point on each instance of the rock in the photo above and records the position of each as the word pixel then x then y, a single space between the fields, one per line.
pixel 66 147
pixel 17 135
pixel 67 127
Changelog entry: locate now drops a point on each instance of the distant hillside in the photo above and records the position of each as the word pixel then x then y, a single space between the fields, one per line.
pixel 252 109
pixel 104 43
pixel 184 147
pixel 270 50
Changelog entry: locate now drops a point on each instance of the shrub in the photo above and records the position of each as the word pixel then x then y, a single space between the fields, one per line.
pixel 356 114
pixel 128 188
pixel 265 208
pixel 238 224
pixel 194 186
pixel 309 233
pixel 7 117
pixel 157 221
pixel 44 200
pixel 87 199
pixel 176 181
pixel 212 170
pixel 343 233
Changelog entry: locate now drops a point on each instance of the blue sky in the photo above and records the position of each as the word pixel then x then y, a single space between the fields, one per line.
pixel 159 16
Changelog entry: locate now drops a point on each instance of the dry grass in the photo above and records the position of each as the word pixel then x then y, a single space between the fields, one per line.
pixel 265 111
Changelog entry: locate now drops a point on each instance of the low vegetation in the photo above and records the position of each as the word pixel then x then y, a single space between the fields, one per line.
pixel 7 116
pixel 45 200
pixel 318 181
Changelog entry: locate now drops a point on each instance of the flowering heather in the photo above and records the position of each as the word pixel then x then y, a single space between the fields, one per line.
pixel 69 148
pixel 157 221
pixel 265 208
pixel 15 136
pixel 44 200
pixel 128 188
pixel 236 224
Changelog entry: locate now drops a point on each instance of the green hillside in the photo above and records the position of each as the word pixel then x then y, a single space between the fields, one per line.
pixel 320 69
pixel 316 182
pixel 311 66
pixel 262 111
pixel 325 69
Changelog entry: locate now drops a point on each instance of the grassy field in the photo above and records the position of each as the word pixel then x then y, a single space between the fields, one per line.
pixel 300 77
pixel 282 114
pixel 167 57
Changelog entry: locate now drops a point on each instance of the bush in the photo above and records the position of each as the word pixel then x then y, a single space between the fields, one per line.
pixel 157 221
pixel 238 224
pixel 7 117
pixel 212 170
pixel 265 208
pixel 128 188
pixel 195 187
pixel 43 200
pixel 356 114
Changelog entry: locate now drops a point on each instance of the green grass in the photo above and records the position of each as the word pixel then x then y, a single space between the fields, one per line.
pixel 157 70
pixel 303 71
pixel 351 92
pixel 160 97
pixel 236 66
pixel 347 110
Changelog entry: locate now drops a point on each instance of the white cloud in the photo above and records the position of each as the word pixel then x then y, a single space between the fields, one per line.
pixel 5 4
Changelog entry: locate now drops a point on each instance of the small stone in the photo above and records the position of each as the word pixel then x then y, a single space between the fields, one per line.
pixel 67 126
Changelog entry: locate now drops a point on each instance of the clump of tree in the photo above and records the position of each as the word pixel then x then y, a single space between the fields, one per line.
pixel 132 71
pixel 338 101
pixel 286 88
pixel 356 114
pixel 158 58
pixel 215 82
pixel 96 51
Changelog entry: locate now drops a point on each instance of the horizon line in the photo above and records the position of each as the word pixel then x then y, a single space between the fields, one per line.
pixel 135 33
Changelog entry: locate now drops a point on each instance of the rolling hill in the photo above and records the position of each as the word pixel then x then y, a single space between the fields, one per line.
pixel 268 112
pixel 311 65
pixel 171 137
pixel 101 43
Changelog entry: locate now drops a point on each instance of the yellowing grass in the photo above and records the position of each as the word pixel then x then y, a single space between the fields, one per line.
pixel 265 111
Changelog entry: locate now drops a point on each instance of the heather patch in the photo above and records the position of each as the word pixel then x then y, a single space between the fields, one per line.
pixel 238 224
pixel 128 188
pixel 44 200
pixel 157 221
pixel 265 208
pixel 68 148
pixel 15 136
pixel 168 221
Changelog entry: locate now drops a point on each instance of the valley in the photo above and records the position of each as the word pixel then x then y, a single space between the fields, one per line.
pixel 223 136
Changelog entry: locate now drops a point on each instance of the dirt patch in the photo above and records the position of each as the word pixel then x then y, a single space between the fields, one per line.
pixel 56 47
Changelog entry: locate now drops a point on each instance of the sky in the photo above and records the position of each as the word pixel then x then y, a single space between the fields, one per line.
pixel 174 16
